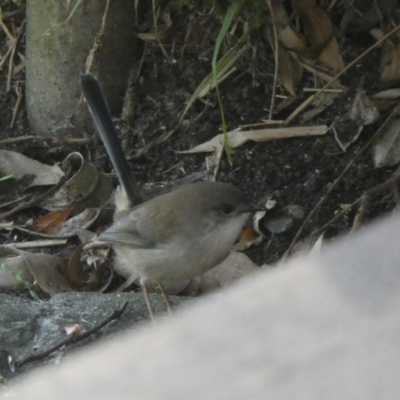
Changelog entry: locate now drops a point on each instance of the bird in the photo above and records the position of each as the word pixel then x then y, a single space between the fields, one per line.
pixel 172 237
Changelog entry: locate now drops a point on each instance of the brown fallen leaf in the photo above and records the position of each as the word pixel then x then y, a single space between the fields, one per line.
pixel 71 227
pixel 390 62
pixel 290 70
pixel 290 39
pixel 51 222
pixel 331 57
pixel 318 30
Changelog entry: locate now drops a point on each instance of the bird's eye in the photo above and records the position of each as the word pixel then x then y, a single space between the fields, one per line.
pixel 227 209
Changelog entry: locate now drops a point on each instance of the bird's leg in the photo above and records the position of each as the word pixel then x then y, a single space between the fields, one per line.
pixel 147 300
pixel 166 297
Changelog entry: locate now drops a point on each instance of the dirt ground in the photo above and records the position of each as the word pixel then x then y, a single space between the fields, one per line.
pixel 294 171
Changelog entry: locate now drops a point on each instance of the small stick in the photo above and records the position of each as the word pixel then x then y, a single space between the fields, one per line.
pixel 52 141
pixel 71 339
pixel 276 43
pixel 11 62
pixel 38 244
pixel 17 106
pixel 37 199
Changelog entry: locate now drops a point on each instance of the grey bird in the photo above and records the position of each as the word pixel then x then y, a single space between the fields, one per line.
pixel 172 237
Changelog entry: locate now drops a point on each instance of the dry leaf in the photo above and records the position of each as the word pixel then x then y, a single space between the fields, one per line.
pixel 74 225
pixel 51 222
pixel 39 267
pixel 331 57
pixel 235 266
pixel 318 28
pixel 389 94
pixel 18 165
pixel 290 70
pixel 287 36
pixel 69 228
pixel 390 62
pixel 14 272
pixel 386 151
pixel 87 187
pixel 319 34
pixel 347 127
pixel 237 138
pixel 87 272
pixel 321 103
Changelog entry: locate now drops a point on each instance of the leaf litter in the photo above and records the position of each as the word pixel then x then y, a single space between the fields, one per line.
pixel 305 50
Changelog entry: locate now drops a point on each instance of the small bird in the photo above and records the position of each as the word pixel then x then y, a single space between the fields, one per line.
pixel 173 237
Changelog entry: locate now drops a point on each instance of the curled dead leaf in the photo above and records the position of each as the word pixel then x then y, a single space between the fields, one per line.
pixel 89 272
pixel 87 187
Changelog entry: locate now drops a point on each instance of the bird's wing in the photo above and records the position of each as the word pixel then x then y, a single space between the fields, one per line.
pixel 125 232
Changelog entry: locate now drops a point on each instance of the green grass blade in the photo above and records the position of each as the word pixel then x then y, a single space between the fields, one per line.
pixel 221 36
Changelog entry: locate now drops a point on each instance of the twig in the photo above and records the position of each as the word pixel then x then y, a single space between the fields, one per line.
pixel 37 199
pixel 339 215
pixel 11 62
pixel 5 57
pixel 6 31
pixel 17 106
pixel 340 177
pixel 70 340
pixel 98 39
pixel 139 71
pixel 38 244
pixel 49 141
pixel 272 106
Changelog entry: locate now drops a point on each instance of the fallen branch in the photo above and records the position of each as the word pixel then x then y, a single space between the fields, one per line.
pixel 69 340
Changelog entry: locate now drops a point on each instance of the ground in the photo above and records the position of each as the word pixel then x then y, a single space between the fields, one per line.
pixel 291 171
pixel 296 171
